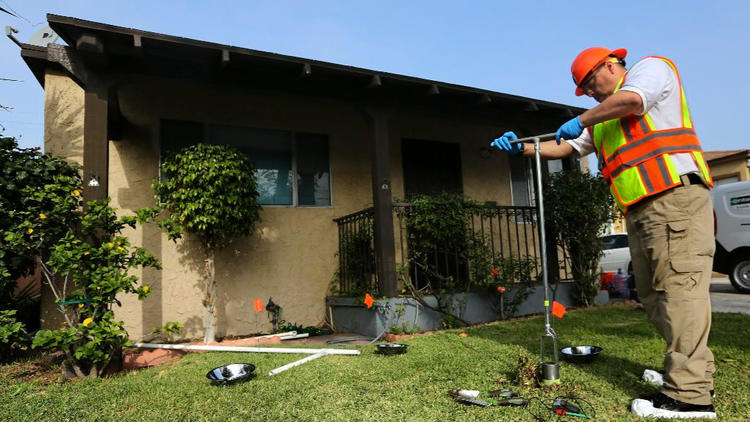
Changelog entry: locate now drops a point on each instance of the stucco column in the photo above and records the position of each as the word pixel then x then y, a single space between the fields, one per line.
pixel 95 142
pixel 385 250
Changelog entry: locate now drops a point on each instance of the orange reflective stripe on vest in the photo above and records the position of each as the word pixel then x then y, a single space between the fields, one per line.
pixel 634 153
pixel 634 158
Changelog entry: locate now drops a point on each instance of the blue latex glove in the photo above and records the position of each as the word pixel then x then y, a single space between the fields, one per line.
pixel 503 144
pixel 569 130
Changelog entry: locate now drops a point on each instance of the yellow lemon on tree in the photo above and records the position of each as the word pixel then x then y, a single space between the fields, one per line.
pixel 42 216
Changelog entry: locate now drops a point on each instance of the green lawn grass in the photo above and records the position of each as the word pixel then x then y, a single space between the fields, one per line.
pixel 410 387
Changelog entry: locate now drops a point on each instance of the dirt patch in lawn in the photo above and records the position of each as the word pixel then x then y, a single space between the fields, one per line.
pixel 43 370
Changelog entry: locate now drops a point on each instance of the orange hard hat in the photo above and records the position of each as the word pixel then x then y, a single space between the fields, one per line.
pixel 588 60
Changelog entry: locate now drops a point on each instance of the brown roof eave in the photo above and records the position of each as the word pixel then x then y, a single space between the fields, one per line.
pixel 36 59
pixel 741 154
pixel 70 30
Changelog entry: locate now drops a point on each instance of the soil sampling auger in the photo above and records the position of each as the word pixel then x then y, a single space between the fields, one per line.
pixel 550 369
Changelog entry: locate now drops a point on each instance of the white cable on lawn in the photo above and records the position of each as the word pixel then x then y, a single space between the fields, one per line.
pixel 296 363
pixel 246 349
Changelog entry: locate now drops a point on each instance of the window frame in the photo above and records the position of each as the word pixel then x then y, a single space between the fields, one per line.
pixel 295 200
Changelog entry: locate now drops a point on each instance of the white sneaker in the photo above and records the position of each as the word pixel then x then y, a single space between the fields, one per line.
pixel 663 407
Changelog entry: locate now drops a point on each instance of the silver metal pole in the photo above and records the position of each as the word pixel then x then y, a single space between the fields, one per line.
pixel 542 235
pixel 538 161
pixel 550 370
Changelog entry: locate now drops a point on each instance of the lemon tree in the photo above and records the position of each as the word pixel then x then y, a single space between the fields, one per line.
pixel 84 258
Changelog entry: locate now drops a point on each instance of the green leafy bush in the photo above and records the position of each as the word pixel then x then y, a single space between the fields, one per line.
pixel 79 248
pixel 437 227
pixel 357 253
pixel 442 224
pixel 37 197
pixel 211 193
pixel 86 270
pixel 12 335
pixel 167 331
pixel 578 206
pixel 512 281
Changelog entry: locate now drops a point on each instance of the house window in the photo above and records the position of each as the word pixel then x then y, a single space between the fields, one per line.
pixel 555 166
pixel 313 174
pixel 292 168
pixel 522 182
pixel 725 180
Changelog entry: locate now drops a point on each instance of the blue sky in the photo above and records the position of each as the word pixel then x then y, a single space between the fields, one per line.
pixel 517 47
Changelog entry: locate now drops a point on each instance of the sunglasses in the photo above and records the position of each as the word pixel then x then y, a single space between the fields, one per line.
pixel 587 84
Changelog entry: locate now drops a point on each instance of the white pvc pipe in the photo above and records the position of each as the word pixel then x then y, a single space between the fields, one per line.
pixel 296 363
pixel 286 334
pixel 296 336
pixel 246 349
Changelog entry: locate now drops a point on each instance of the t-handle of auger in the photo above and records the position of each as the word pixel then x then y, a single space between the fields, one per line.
pixel 543 137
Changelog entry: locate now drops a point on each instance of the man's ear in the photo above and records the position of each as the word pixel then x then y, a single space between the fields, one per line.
pixel 611 68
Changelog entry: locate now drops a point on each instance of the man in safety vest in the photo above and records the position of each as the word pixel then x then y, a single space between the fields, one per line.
pixel 648 151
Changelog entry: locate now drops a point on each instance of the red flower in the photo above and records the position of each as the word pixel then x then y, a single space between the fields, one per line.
pixel 495 271
pixel 501 289
pixel 369 300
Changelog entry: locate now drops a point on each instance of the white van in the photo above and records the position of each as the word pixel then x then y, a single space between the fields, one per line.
pixel 732 230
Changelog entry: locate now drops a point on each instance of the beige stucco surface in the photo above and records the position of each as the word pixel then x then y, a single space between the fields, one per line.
pixel 291 255
pixel 63 136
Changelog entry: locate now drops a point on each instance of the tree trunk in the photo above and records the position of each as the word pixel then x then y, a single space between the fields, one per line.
pixel 209 300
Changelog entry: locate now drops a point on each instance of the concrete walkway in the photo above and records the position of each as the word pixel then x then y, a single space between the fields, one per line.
pixel 724 298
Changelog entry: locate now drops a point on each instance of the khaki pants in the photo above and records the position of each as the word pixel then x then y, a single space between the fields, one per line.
pixel 672 246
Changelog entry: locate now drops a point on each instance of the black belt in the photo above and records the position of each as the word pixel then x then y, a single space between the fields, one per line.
pixel 691 179
pixel 687 180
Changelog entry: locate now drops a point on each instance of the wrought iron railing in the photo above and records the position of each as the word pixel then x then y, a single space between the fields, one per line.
pixel 506 232
pixel 357 257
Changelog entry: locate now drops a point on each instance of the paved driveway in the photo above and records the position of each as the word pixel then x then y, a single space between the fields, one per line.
pixel 724 298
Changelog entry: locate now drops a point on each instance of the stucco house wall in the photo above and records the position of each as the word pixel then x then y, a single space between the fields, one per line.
pixel 291 256
pixel 63 136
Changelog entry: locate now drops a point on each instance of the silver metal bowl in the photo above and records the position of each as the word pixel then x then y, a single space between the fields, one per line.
pixel 581 354
pixel 392 348
pixel 231 373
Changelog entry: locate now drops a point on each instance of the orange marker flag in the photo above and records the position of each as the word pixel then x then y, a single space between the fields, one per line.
pixel 369 300
pixel 258 304
pixel 558 309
